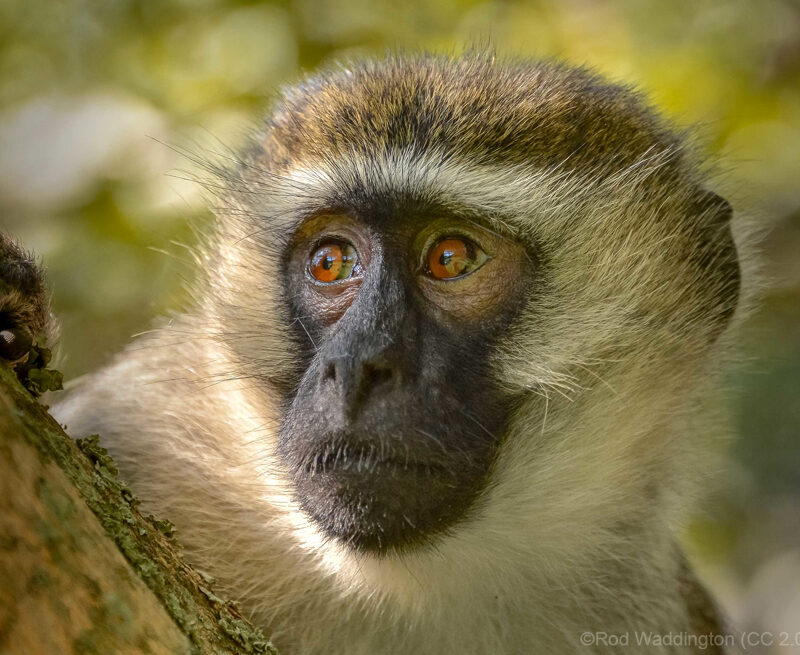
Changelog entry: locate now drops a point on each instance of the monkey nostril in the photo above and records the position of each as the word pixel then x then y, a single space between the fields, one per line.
pixel 330 372
pixel 376 374
pixel 357 381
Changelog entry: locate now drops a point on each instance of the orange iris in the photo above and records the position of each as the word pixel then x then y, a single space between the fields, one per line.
pixel 449 258
pixel 333 261
pixel 326 262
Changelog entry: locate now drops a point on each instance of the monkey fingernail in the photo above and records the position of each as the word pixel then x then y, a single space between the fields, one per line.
pixel 14 344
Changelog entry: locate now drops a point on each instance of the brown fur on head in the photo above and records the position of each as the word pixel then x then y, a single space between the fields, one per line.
pixel 493 111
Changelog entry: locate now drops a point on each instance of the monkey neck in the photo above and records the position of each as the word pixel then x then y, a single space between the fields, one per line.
pixel 400 606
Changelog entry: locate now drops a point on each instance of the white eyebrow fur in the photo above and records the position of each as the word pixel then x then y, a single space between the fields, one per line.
pixel 500 193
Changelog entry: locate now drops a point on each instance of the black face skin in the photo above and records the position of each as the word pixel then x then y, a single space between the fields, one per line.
pixel 395 421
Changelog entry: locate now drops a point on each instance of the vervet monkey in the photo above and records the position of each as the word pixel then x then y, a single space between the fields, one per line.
pixel 433 394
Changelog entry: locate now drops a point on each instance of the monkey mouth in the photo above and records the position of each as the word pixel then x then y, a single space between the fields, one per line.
pixel 367 461
pixel 378 500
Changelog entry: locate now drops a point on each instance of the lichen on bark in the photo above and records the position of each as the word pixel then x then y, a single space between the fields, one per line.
pixel 81 569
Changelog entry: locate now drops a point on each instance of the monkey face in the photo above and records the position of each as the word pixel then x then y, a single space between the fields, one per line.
pixel 397 329
pixel 391 432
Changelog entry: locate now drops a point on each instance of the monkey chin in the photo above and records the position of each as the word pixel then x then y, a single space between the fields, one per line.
pixel 388 502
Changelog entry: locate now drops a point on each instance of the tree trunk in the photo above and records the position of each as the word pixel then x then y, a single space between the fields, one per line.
pixel 81 570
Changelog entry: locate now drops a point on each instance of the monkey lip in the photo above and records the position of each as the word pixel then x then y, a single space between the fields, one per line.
pixel 377 491
pixel 368 463
pixel 374 504
pixel 354 454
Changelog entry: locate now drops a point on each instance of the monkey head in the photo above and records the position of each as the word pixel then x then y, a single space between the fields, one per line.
pixel 468 284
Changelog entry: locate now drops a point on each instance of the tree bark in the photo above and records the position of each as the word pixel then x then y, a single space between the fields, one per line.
pixel 81 570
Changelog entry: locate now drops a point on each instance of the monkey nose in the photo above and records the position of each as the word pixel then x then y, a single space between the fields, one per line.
pixel 356 381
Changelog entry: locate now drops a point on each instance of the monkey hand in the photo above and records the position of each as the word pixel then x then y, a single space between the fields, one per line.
pixel 25 320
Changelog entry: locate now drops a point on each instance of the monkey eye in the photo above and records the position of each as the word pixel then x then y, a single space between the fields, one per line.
pixel 453 257
pixel 332 261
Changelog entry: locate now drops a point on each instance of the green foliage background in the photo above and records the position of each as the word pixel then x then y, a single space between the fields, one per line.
pixel 91 92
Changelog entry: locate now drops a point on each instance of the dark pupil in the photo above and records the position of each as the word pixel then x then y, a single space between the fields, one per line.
pixel 327 262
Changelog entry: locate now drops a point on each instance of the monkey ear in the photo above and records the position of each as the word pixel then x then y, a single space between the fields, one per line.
pixel 718 258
